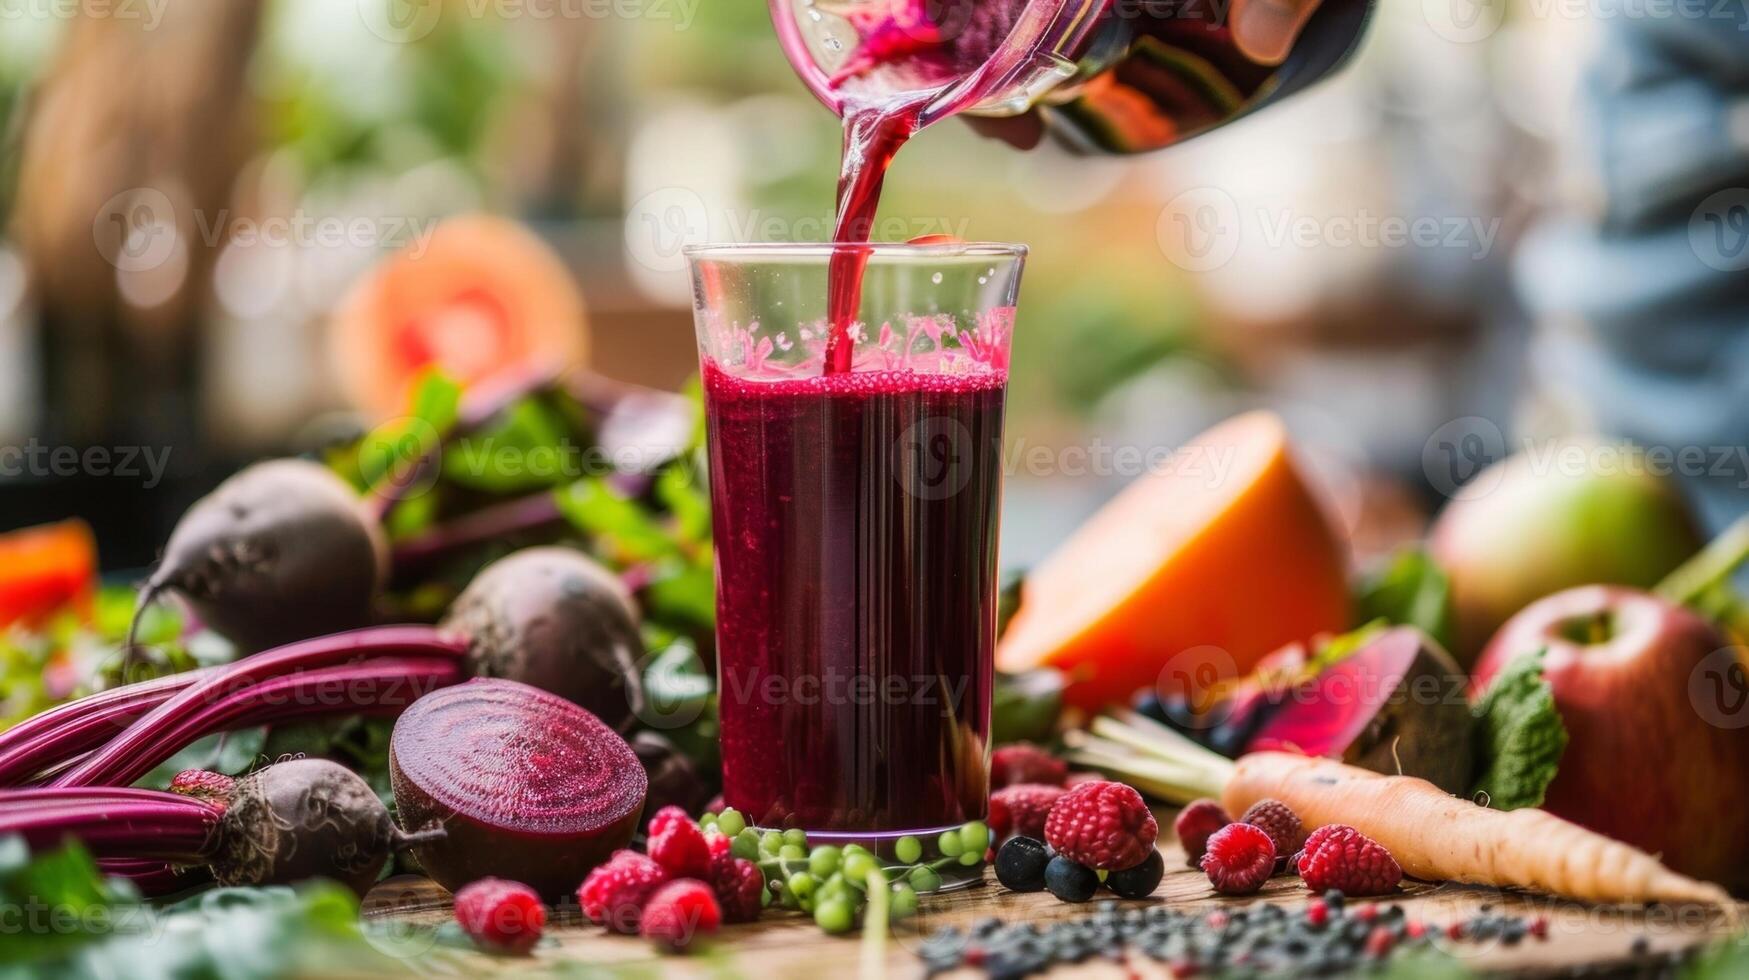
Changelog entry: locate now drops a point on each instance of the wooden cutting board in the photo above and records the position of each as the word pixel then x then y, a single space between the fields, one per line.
pixel 1582 940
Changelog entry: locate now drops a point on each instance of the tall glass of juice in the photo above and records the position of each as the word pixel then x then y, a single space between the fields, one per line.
pixel 855 518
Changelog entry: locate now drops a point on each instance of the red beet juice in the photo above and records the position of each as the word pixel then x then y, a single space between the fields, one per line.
pixel 856 520
pixel 855 504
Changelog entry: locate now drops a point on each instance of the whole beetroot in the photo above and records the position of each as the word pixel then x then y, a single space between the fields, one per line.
pixel 282 551
pixel 307 818
pixel 554 618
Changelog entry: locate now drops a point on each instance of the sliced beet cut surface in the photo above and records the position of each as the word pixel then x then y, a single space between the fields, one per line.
pixel 528 785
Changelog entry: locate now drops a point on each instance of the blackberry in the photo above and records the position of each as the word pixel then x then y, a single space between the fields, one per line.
pixel 1069 881
pixel 1020 864
pixel 1139 881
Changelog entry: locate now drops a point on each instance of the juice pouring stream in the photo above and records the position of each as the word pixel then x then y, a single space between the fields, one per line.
pixel 1102 76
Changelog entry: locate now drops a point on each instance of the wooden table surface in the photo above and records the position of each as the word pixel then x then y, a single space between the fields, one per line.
pixel 1582 940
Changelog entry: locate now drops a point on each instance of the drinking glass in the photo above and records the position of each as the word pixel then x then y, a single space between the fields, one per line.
pixel 855 519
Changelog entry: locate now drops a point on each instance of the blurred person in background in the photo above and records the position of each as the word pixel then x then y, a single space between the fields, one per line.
pixel 1639 280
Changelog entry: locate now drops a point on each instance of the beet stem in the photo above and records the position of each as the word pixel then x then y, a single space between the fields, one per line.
pixel 139 824
pixel 182 713
pixel 500 521
pixel 82 725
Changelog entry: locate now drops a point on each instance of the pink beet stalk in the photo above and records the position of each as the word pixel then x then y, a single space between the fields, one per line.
pixel 195 709
pixel 136 824
pixel 379 686
pixel 86 723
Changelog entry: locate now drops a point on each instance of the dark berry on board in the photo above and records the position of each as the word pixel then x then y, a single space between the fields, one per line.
pixel 1020 864
pixel 1139 881
pixel 1069 881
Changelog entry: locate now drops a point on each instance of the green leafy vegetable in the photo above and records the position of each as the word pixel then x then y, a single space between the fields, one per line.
pixel 74 654
pixel 1519 736
pixel 63 918
pixel 1409 591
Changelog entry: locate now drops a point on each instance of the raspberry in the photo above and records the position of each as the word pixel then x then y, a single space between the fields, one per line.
pixel 1317 913
pixel 717 843
pixel 1194 825
pixel 1281 824
pixel 1348 860
pixel 666 817
pixel 613 895
pixel 680 912
pixel 1313 841
pixel 1024 762
pixel 737 883
pixel 213 787
pixel 502 914
pixel 1103 825
pixel 679 846
pixel 1240 859
pixel 1022 809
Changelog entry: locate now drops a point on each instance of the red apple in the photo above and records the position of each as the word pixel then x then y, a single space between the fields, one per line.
pixel 1657 756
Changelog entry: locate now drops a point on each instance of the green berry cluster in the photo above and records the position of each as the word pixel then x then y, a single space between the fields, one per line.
pixel 832 883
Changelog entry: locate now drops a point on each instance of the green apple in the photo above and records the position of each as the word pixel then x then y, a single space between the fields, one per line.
pixel 1555 516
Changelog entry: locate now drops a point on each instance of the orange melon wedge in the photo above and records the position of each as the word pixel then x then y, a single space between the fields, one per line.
pixel 480 300
pixel 1190 576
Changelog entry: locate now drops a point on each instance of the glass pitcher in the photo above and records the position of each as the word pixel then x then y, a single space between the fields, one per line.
pixel 1106 76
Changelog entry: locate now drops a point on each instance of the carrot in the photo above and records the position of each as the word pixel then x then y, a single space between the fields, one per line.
pixel 1436 837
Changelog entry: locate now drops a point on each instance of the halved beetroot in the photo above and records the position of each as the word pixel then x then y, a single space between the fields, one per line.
pixel 1396 705
pixel 529 786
